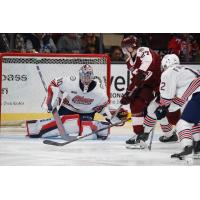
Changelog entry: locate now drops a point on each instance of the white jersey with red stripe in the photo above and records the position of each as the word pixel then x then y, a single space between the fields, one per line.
pixel 76 100
pixel 178 84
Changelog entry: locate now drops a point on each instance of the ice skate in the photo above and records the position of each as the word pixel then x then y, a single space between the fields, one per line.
pixel 187 151
pixel 196 146
pixel 172 138
pixel 137 142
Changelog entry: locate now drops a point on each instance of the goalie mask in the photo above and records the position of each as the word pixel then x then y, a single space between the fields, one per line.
pixel 169 60
pixel 86 74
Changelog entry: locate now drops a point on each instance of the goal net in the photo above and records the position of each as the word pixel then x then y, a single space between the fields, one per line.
pixel 22 92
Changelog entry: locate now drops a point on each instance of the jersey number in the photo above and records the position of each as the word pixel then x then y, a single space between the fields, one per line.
pixel 59 81
pixel 144 53
pixel 162 85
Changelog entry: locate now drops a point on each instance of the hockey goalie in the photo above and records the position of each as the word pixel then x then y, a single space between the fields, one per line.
pixel 78 101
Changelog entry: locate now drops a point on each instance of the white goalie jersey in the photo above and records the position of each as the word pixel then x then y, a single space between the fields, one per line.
pixel 178 84
pixel 76 99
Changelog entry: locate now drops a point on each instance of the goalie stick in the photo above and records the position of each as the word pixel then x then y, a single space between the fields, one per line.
pixel 50 142
pixel 55 114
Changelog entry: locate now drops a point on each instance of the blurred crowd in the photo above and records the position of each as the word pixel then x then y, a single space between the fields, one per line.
pixel 185 45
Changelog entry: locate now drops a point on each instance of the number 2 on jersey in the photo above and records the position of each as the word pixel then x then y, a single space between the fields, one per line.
pixel 162 85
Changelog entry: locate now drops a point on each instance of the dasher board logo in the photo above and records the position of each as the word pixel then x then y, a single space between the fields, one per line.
pixel 72 78
pixel 82 100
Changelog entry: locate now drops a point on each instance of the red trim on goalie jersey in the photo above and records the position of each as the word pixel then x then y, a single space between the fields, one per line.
pixel 53 83
pixel 100 107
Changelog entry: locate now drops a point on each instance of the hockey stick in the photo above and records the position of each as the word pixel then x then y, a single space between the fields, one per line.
pixel 55 114
pixel 129 95
pixel 50 142
pixel 151 139
pixel 152 133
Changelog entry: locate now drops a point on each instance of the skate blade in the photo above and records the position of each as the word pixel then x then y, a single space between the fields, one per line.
pixel 196 156
pixel 141 145
pixel 134 147
pixel 189 159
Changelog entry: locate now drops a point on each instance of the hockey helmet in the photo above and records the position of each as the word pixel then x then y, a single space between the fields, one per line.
pixel 86 74
pixel 169 60
pixel 130 41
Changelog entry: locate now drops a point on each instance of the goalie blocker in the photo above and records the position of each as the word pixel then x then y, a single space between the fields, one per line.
pixel 73 126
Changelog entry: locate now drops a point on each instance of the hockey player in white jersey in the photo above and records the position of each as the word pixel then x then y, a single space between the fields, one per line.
pixel 166 123
pixel 84 97
pixel 181 85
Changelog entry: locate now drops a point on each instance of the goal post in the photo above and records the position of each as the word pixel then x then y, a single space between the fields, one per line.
pixel 22 92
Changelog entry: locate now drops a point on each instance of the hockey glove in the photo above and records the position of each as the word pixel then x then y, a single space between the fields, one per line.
pixel 126 99
pixel 122 114
pixel 161 112
pixel 139 78
pixel 49 108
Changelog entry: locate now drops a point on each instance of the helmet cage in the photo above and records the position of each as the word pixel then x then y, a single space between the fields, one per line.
pixel 86 74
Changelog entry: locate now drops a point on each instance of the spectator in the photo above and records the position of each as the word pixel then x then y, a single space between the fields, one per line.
pixel 174 45
pixel 116 53
pixel 69 43
pixel 4 42
pixel 35 42
pixel 89 39
pixel 186 48
pixel 194 49
pixel 19 43
pixel 90 49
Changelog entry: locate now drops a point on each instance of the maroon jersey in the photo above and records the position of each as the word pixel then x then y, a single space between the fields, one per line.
pixel 148 62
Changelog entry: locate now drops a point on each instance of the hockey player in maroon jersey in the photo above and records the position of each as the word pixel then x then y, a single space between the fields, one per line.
pixel 144 65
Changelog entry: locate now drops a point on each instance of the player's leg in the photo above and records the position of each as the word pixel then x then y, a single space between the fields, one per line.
pixel 138 105
pixel 196 139
pixel 88 124
pixel 184 132
pixel 169 132
pixel 48 127
pixel 190 116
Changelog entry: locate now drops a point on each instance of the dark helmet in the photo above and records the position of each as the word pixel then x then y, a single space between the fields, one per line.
pixel 130 41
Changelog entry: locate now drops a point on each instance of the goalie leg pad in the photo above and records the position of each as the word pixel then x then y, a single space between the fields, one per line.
pixel 48 127
pixel 89 126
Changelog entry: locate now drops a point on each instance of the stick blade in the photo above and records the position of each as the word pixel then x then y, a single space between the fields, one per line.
pixel 69 139
pixel 50 142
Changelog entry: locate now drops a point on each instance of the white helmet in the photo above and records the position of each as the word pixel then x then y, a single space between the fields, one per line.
pixel 169 60
pixel 86 74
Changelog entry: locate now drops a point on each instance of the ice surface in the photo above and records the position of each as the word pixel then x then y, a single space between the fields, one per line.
pixel 16 149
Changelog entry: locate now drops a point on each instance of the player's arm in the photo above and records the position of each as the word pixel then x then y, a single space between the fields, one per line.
pixel 107 111
pixel 140 74
pixel 58 84
pixel 167 93
pixel 143 61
